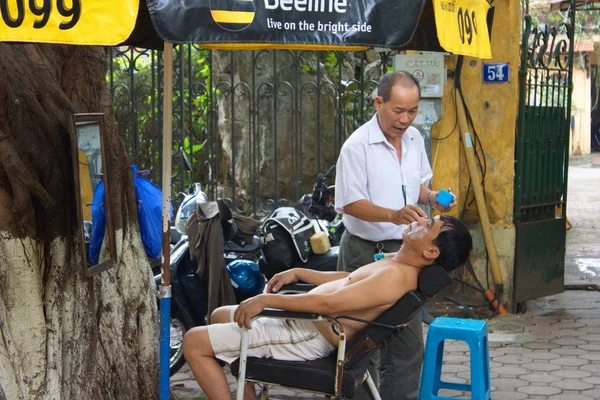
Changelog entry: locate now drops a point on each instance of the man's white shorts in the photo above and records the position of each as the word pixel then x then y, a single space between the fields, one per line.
pixel 289 340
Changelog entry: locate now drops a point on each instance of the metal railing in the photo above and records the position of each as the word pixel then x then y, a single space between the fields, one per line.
pixel 258 126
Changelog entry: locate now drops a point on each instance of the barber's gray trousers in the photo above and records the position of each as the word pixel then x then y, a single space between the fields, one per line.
pixel 396 370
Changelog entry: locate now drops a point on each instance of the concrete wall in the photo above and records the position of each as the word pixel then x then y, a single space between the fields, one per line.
pixel 494 110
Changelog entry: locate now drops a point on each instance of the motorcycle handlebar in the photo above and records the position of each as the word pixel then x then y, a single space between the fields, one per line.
pixel 321 178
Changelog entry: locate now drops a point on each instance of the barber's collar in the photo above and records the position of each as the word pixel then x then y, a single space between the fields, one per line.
pixel 376 134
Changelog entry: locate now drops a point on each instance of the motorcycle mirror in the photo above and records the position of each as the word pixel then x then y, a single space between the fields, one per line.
pixel 330 173
pixel 186 160
pixel 180 154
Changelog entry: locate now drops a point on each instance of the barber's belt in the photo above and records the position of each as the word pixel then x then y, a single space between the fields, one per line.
pixel 383 249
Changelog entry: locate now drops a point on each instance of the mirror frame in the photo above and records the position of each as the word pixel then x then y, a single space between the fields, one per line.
pixel 110 233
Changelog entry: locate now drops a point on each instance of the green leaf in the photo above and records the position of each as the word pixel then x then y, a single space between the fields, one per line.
pixel 195 148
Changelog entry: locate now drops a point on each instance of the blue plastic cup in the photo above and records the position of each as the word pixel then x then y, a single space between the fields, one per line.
pixel 444 198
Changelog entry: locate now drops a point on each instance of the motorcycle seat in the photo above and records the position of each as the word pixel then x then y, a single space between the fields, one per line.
pixel 231 246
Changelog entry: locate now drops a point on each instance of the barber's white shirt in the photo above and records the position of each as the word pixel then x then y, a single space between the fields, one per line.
pixel 368 168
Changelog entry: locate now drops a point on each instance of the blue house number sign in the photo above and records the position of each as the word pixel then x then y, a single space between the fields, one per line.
pixel 495 73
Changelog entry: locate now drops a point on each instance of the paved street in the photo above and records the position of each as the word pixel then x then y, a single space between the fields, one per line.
pixel 550 352
pixel 583 205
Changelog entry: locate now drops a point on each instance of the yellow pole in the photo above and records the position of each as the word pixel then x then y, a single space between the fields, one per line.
pixel 479 197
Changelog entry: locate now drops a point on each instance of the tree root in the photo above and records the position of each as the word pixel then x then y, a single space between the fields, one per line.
pixel 16 169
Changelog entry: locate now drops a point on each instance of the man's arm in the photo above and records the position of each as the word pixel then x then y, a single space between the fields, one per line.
pixel 302 274
pixel 367 211
pixel 424 195
pixel 427 197
pixel 379 289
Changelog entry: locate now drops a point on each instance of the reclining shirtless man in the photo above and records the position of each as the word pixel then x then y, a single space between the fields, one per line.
pixel 364 293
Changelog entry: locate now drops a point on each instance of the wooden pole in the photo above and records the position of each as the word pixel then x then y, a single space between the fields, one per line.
pixel 479 196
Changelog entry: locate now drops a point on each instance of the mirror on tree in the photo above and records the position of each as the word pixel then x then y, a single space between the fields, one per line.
pixel 92 187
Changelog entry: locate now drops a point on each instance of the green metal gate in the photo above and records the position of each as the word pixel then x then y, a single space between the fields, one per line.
pixel 541 159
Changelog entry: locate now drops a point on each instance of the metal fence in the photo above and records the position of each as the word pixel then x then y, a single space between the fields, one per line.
pixel 258 126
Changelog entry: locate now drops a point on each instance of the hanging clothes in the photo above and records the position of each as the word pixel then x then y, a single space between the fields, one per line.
pixel 206 245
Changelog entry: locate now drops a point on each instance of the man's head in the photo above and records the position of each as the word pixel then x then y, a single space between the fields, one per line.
pixel 397 103
pixel 442 240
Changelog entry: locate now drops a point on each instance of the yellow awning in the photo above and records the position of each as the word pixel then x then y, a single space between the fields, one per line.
pixel 83 22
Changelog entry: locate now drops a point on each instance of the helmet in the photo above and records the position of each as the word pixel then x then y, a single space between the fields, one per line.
pixel 188 207
pixel 246 276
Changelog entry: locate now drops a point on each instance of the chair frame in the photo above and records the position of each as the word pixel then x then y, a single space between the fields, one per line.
pixel 431 280
pixel 341 349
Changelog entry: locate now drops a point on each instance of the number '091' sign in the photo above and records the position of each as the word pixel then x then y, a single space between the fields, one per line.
pixel 13 16
pixel 464 26
pixel 85 22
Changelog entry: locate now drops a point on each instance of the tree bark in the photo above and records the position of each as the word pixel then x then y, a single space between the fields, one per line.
pixel 64 335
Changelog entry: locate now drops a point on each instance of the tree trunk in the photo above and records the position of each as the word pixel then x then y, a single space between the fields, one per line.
pixel 64 335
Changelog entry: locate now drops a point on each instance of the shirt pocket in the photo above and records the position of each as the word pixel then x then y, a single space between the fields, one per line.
pixel 413 186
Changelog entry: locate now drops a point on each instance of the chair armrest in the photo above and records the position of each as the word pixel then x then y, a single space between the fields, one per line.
pixel 296 288
pixel 281 314
pixel 275 313
pixel 374 323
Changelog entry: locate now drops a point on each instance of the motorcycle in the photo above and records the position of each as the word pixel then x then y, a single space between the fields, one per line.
pixel 189 301
pixel 319 205
pixel 286 229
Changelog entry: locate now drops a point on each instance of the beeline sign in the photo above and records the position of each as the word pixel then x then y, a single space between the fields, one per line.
pixel 338 6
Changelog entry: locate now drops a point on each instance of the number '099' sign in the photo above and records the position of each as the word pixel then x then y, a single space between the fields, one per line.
pixel 85 22
pixel 467 25
pixel 462 26
pixel 13 16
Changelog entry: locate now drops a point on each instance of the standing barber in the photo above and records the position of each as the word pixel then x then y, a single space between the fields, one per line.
pixel 382 173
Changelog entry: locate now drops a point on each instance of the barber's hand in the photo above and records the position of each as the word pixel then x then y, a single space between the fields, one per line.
pixel 442 207
pixel 248 309
pixel 280 279
pixel 407 215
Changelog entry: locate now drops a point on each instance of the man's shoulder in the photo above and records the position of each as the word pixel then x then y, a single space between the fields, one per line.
pixel 388 268
pixel 358 138
pixel 397 271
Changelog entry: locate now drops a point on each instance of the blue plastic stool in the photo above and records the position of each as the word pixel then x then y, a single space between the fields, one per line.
pixel 475 334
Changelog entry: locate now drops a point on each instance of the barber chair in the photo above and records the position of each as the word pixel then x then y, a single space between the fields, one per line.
pixel 341 374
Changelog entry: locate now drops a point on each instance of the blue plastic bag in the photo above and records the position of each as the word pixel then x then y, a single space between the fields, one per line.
pixel 98 223
pixel 149 200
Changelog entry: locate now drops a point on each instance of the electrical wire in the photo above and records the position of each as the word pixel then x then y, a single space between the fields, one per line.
pixel 477 144
pixel 482 166
pixel 463 305
pixel 467 284
pixel 481 305
pixel 472 271
pixel 440 139
pixel 455 119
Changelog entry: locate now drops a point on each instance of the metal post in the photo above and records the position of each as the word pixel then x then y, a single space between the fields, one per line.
pixel 241 381
pixel 372 387
pixel 165 287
